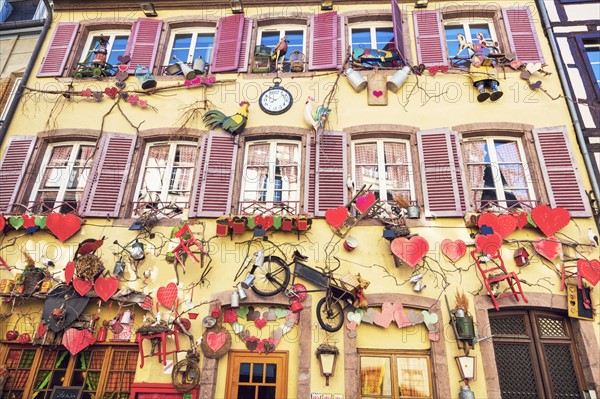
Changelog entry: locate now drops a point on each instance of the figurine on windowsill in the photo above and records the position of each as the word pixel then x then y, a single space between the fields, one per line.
pixel 101 53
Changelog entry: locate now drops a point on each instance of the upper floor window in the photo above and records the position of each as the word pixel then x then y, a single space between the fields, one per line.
pixel 373 36
pixel 465 38
pixel 103 48
pixel 271 172
pixel 62 177
pixel 188 44
pixel 291 38
pixel 497 172
pixel 386 166
pixel 166 175
pixel 592 49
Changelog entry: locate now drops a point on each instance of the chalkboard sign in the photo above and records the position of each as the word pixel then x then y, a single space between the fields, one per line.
pixel 66 393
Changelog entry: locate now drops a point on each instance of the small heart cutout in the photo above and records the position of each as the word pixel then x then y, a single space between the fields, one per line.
pixel 336 217
pixel 377 93
pixel 106 287
pixel 82 286
pixel 216 341
pixel 124 59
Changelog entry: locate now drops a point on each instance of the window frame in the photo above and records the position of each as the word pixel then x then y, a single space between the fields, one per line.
pixel 236 357
pixel 589 71
pixel 10 99
pixel 111 34
pixel 373 25
pixel 282 28
pixel 194 31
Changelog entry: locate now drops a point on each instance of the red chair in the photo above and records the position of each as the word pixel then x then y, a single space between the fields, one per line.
pixel 162 347
pixel 495 274
pixel 185 243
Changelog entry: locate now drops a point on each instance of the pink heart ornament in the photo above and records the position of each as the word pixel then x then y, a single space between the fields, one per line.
pixel 82 286
pixel 549 248
pixel 454 250
pixel 400 317
pixel 106 287
pixel 377 93
pixel 410 251
pixel 216 341
pixel 77 340
pixel 365 201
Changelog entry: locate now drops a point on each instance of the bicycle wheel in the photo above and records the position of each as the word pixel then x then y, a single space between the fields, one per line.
pixel 330 314
pixel 272 277
pixel 185 376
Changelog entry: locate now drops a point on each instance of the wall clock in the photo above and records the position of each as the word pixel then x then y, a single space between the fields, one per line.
pixel 276 99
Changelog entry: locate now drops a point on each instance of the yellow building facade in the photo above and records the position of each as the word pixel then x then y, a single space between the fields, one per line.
pixel 463 193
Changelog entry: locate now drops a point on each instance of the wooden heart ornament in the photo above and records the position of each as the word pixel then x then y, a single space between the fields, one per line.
pixel 82 286
pixel 265 221
pixel 77 340
pixel 410 251
pixel 166 296
pixel 63 226
pixel 454 250
pixel 336 217
pixel 106 287
pixel 550 220
pixel 503 224
pixel 589 270
pixel 489 244
pixel 549 248
pixel 364 202
pixel 216 342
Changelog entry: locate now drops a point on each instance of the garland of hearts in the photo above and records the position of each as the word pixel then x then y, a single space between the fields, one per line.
pixel 61 225
pixel 239 224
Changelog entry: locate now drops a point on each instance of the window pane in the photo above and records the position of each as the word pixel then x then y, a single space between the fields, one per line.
pixel 156 164
pixel 244 372
pixel 361 38
pixel 480 30
pixel 271 374
pixel 365 154
pixel 375 375
pixel 181 47
pixel 270 39
pixel 413 377
pixel 258 154
pixel 295 39
pixel 246 392
pixel 384 37
pixel 395 153
pixel 368 175
pixel 452 32
pixel 257 372
pixel 204 46
pixel 117 49
pixel 397 177
pixel 266 392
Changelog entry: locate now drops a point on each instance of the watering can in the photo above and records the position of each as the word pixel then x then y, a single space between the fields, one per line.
pixel 143 74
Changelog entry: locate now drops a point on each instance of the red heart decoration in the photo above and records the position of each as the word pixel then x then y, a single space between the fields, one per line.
pixel 216 341
pixel 550 220
pixel 146 303
pixel 77 340
pixel 549 248
pixel 167 295
pixel 336 217
pixel 521 218
pixel 63 226
pixel 410 251
pixel 433 70
pixel 2 223
pixel 444 68
pixel 489 244
pixel 377 93
pixel 106 287
pixel 41 330
pixel 454 250
pixel 28 221
pixel 82 286
pixel 230 316
pixel 265 221
pixel 111 92
pixel 364 202
pixel 69 271
pixel 503 224
pixel 123 67
pixel 86 92
pixel 260 323
pixel 589 270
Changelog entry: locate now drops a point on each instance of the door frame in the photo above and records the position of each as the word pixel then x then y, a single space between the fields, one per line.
pixel 234 356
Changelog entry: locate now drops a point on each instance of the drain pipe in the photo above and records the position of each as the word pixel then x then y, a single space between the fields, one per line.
pixel 34 56
pixel 569 98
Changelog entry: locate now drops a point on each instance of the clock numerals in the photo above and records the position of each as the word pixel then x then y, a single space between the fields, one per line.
pixel 276 101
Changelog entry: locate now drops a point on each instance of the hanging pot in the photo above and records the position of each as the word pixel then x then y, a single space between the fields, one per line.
pixel 413 212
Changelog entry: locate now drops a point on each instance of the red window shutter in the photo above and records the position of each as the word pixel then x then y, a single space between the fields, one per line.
pixel 431 47
pixel 143 43
pixel 397 20
pixel 323 41
pixel 104 191
pixel 196 189
pixel 458 166
pixel 59 49
pixel 228 43
pixel 245 47
pixel 560 171
pixel 12 169
pixel 310 174
pixel 216 181
pixel 521 34
pixel 330 190
pixel 341 45
pixel 441 173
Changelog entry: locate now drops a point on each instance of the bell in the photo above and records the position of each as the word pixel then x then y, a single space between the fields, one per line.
pixel 188 72
pixel 242 292
pixel 199 65
pixel 248 282
pixel 235 299
pixel 413 212
pixel 119 267
pixel 260 258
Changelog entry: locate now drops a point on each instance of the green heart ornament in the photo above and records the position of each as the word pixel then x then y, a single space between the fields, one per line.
pixel 40 221
pixel 15 221
pixel 277 221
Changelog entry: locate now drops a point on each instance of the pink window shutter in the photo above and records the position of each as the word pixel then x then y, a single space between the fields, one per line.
pixel 442 179
pixel 228 43
pixel 143 43
pixel 218 175
pixel 59 49
pixel 431 47
pixel 560 171
pixel 330 187
pixel 521 34
pixel 397 21
pixel 310 174
pixel 197 185
pixel 109 176
pixel 323 41
pixel 341 41
pixel 245 46
pixel 12 169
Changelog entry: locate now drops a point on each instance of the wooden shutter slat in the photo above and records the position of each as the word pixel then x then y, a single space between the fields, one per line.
pixel 59 49
pixel 310 174
pixel 13 167
pixel 521 34
pixel 397 22
pixel 341 45
pixel 143 43
pixel 331 173
pixel 431 46
pixel 104 190
pixel 324 41
pixel 228 43
pixel 195 199
pixel 441 173
pixel 560 171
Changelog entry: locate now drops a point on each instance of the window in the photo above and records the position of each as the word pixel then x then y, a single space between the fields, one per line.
pixel 103 371
pixel 369 36
pixel 464 39
pixel 497 173
pixel 186 45
pixel 166 175
pixel 40 11
pixel 271 35
pixel 535 355
pixel 62 177
pixel 10 99
pixel 592 49
pixel 116 43
pixel 395 374
pixel 386 166
pixel 271 173
pixel 251 376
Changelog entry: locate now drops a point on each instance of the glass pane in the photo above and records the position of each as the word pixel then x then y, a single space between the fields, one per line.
pixel 551 327
pixel 156 163
pixel 397 177
pixel 204 46
pixel 480 33
pixel 384 38
pixel 257 372
pixel 60 156
pixel 269 39
pixel 182 41
pixel 368 175
pixel 452 41
pixel 513 175
pixel 255 181
pixel 395 153
pixel 295 40
pixel 271 374
pixel 244 372
pixel 365 154
pixel 118 48
pixel 375 375
pixel 246 392
pixel 258 154
pixel 266 392
pixel 413 377
pixel 507 151
pixel 361 38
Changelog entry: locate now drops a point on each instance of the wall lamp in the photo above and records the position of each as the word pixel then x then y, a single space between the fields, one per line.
pixel 237 7
pixel 327 356
pixel 327 5
pixel 148 9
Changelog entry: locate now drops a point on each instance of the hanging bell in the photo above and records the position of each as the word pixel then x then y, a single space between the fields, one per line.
pixel 188 72
pixel 119 267
pixel 235 299
pixel 242 292
pixel 248 282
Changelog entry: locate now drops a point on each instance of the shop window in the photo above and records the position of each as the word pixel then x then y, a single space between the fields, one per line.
pixel 386 166
pixel 271 176
pixel 187 44
pixel 166 176
pixel 497 172
pixel 113 42
pixel 62 178
pixel 295 39
pixel 465 38
pixel 395 374
pixel 251 376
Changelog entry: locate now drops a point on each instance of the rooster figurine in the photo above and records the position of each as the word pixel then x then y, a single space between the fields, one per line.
pixel 279 51
pixel 233 124
pixel 317 118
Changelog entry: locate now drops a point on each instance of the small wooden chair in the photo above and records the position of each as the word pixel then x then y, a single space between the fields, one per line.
pixel 185 243
pixel 162 347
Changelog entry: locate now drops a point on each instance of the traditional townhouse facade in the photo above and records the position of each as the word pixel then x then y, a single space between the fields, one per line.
pixel 296 199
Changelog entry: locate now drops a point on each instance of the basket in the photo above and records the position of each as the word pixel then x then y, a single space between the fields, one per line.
pixel 350 282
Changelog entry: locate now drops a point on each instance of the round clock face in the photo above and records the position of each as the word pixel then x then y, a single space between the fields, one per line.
pixel 276 100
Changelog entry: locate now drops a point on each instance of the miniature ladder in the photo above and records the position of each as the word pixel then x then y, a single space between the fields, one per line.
pixel 353 220
pixel 495 274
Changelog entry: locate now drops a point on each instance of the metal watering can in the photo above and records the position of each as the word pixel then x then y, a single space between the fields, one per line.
pixel 143 74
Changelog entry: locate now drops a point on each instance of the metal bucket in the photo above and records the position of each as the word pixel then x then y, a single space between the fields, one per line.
pixel 357 81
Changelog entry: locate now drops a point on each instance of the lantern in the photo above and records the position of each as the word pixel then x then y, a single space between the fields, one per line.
pixel 327 356
pixel 466 367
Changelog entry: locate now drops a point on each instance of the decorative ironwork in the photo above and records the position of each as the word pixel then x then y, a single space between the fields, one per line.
pixel 508 325
pixel 160 209
pixel 269 208
pixel 495 205
pixel 551 327
pixel 515 371
pixel 42 207
pixel 562 372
